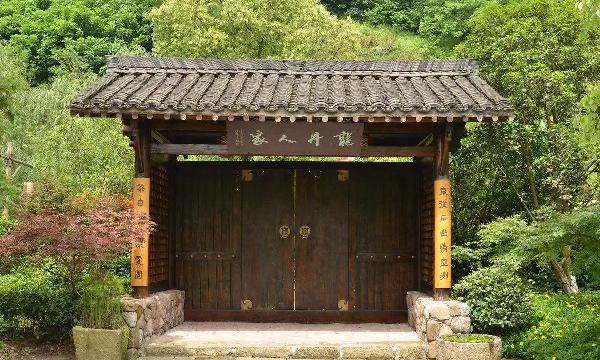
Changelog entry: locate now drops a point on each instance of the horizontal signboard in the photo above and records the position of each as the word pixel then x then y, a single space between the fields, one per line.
pixel 297 138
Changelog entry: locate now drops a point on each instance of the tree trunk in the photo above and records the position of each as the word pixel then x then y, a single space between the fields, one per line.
pixel 562 270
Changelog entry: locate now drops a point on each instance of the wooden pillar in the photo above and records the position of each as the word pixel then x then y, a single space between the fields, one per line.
pixel 141 204
pixel 442 213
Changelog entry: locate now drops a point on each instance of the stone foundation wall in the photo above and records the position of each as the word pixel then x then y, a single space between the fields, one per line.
pixel 150 317
pixel 432 319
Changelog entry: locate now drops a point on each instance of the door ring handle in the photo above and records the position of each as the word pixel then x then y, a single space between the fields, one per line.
pixel 284 231
pixel 304 231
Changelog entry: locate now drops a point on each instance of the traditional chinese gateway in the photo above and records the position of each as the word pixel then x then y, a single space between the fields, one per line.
pixel 309 241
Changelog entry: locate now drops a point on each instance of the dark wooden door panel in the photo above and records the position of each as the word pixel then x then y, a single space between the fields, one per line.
pixel 362 244
pixel 207 232
pixel 322 256
pixel 267 256
pixel 382 237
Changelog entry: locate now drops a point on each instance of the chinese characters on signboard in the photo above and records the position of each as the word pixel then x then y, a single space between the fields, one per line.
pixel 139 251
pixel 442 234
pixel 298 138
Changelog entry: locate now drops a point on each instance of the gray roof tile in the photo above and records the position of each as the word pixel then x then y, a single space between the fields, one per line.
pixel 294 87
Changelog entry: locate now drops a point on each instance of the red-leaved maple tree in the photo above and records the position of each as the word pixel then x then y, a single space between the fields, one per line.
pixel 77 238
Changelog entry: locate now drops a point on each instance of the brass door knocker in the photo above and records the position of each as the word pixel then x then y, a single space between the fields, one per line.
pixel 304 231
pixel 284 231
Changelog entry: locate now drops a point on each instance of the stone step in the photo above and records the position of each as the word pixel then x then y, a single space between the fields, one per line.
pixel 404 351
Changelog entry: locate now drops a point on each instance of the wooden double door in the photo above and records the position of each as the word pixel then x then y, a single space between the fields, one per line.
pixel 295 241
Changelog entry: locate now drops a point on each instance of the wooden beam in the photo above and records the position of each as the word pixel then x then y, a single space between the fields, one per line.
pixel 190 149
pixel 214 149
pixel 399 151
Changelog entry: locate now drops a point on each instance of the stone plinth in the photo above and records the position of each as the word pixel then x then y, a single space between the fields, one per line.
pixel 432 319
pixel 151 316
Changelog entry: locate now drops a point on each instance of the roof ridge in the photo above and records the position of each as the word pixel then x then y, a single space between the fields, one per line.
pixel 462 66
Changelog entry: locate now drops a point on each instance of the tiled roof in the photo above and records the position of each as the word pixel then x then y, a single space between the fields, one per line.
pixel 292 88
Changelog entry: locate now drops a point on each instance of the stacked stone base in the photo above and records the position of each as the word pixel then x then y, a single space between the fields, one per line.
pixel 151 316
pixel 432 319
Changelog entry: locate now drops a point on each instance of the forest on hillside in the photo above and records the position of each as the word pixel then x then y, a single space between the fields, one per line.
pixel 526 217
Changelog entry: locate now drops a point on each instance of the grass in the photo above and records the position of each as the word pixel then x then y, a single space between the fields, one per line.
pixel 469 338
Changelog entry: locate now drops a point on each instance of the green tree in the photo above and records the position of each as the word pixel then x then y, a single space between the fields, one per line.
pixel 588 125
pixel 74 32
pixel 445 21
pixel 265 29
pixel 256 28
pixel 536 53
pixel 403 15
pixel 70 154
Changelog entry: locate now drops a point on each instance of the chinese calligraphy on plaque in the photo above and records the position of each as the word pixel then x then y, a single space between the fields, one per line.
pixel 298 138
pixel 139 250
pixel 442 234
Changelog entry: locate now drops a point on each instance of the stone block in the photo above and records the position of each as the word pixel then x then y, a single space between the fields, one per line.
pixel 458 308
pixel 368 352
pixel 448 350
pixel 100 344
pixel 129 304
pixel 315 352
pixel 130 318
pixel 135 338
pixel 436 329
pixel 432 347
pixel 438 310
pixel 410 351
pixel 460 324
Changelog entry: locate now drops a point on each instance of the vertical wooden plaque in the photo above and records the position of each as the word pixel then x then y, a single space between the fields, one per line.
pixel 442 234
pixel 139 251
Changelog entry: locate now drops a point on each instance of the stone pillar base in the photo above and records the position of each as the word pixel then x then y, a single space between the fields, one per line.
pixel 151 316
pixel 432 319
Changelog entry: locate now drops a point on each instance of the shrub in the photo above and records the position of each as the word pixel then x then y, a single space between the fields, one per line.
pixel 33 303
pixel 567 328
pixel 100 300
pixel 500 301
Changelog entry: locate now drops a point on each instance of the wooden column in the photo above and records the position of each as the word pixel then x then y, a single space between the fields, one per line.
pixel 442 221
pixel 141 201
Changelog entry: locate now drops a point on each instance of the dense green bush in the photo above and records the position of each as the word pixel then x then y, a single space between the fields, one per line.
pixel 33 303
pixel 500 301
pixel 100 301
pixel 567 328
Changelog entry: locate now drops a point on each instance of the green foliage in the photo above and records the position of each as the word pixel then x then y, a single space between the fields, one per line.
pixel 6 224
pixel 500 301
pixel 74 32
pixel 445 21
pixel 566 328
pixel 591 13
pixel 403 15
pixel 536 53
pixel 12 80
pixel 588 136
pixel 70 155
pixel 263 29
pixel 514 242
pixel 100 300
pixel 34 303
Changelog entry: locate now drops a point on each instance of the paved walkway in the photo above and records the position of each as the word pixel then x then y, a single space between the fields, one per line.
pixel 270 334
